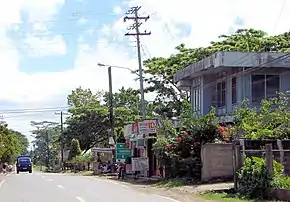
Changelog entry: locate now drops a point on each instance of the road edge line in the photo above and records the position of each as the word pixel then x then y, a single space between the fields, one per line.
pixel 1 183
pixel 167 198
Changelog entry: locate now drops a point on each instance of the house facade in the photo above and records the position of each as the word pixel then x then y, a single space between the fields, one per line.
pixel 225 79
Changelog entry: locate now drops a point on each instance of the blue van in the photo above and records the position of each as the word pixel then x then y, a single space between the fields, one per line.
pixel 23 164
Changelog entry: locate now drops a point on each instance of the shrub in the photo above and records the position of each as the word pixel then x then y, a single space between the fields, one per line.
pixel 180 150
pixel 253 180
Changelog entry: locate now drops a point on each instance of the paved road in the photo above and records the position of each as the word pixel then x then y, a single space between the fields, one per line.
pixel 46 187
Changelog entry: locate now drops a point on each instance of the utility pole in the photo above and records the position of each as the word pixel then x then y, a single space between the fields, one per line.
pixel 47 148
pixel 61 136
pixel 111 108
pixel 133 11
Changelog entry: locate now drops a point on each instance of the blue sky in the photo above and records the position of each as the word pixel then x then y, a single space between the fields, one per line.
pixel 73 20
pixel 49 48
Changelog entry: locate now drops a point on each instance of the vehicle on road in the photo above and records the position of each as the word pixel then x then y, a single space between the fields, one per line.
pixel 23 164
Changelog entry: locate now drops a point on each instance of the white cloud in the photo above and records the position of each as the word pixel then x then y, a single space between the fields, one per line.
pixel 117 10
pixel 48 45
pixel 82 21
pixel 206 19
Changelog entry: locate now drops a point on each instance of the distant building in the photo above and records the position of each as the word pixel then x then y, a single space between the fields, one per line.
pixel 224 79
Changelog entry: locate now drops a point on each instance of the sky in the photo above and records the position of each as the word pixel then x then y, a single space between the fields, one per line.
pixel 49 48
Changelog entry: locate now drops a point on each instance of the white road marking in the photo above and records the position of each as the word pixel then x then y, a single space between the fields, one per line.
pixel 125 186
pixel 116 183
pixel 60 186
pixel 80 199
pixel 8 174
pixel 1 183
pixel 167 198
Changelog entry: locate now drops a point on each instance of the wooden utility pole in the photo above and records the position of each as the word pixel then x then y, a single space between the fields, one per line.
pixel 133 12
pixel 61 136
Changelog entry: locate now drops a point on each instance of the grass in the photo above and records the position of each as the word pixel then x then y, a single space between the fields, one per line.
pixel 222 197
pixel 170 183
pixel 36 168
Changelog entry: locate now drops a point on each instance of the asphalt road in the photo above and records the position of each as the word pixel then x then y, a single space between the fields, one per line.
pixel 46 187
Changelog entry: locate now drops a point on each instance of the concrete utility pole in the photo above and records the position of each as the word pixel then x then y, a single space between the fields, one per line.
pixel 135 26
pixel 61 135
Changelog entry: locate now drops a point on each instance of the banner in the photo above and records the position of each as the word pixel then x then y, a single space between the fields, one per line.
pixel 140 164
pixel 147 127
pixel 128 130
pixel 135 128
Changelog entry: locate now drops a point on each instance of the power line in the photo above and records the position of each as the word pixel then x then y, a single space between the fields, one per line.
pixel 133 11
pixel 31 109
pixel 75 16
pixel 279 16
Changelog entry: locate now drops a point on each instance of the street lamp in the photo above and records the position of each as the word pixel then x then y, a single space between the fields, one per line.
pixel 119 67
pixel 143 110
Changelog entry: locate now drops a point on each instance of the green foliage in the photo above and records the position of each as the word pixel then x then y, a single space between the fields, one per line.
pixel 46 142
pixel 281 181
pixel 23 142
pixel 253 180
pixel 270 120
pixel 88 122
pixel 180 151
pixel 75 149
pixel 12 144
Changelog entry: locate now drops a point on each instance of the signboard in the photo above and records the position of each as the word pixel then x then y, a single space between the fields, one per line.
pixel 147 127
pixel 128 130
pixel 140 164
pixel 135 128
pixel 122 152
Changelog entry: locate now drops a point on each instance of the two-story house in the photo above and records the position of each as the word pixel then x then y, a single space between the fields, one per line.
pixel 224 79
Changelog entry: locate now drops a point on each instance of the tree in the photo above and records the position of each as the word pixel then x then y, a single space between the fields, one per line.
pixel 9 145
pixel 46 141
pixel 126 104
pixel 88 122
pixel 170 101
pixel 23 141
pixel 12 144
pixel 83 98
pixel 75 149
pixel 269 121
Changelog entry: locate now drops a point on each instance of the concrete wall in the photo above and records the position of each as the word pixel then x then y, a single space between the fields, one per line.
pixel 217 162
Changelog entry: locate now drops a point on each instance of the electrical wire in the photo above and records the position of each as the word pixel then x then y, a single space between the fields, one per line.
pixel 21 110
pixel 75 16
pixel 279 16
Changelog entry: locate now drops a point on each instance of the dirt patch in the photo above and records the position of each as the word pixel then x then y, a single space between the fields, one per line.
pixel 181 194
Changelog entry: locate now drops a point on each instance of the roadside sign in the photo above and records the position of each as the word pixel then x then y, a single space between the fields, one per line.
pixel 122 152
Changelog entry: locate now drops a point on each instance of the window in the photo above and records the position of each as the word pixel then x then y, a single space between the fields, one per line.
pixel 264 86
pixel 221 94
pixel 234 90
pixel 196 99
pixel 272 85
pixel 258 88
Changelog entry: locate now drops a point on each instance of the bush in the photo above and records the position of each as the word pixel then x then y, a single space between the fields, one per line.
pixel 281 181
pixel 180 150
pixel 253 180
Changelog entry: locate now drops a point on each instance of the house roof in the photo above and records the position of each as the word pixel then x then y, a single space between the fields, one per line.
pixel 234 59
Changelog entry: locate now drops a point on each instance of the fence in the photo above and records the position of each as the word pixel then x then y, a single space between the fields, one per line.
pixel 280 151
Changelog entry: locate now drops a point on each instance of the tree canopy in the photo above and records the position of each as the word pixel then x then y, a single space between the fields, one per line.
pixel 12 144
pixel 46 142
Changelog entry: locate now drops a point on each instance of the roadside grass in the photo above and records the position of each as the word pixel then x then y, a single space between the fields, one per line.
pixel 170 183
pixel 222 197
pixel 37 168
